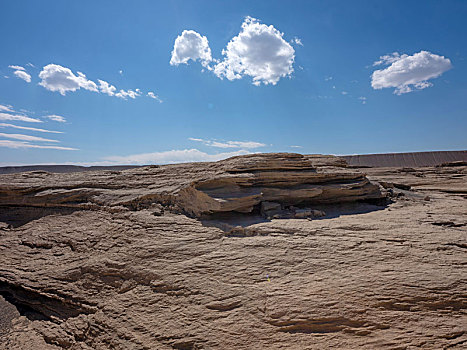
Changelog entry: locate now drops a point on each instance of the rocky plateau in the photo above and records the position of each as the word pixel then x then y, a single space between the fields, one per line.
pixel 264 251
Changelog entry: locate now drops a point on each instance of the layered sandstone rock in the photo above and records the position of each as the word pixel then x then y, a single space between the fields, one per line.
pixel 238 184
pixel 109 260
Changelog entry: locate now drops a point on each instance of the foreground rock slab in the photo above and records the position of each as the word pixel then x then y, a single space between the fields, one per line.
pixel 128 264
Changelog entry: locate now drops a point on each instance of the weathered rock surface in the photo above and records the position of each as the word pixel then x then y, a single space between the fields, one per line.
pixel 109 260
pixel 237 184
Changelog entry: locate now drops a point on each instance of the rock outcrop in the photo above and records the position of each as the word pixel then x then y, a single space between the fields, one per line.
pixel 110 260
pixel 238 184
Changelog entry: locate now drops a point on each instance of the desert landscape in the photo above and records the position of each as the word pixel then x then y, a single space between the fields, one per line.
pixel 233 175
pixel 263 251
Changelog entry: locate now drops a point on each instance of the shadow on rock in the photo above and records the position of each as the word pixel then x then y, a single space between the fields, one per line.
pixel 234 224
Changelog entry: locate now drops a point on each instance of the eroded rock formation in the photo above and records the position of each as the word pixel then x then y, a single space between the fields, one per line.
pixel 128 260
pixel 238 184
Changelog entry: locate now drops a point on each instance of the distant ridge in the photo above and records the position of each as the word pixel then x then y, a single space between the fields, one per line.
pixel 412 159
pixel 61 168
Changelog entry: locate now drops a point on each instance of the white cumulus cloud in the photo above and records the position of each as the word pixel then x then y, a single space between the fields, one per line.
pixel 191 45
pixel 62 79
pixel 228 144
pixel 56 118
pixel 128 93
pixel 106 88
pixel 406 73
pixel 258 51
pixel 57 78
pixel 174 156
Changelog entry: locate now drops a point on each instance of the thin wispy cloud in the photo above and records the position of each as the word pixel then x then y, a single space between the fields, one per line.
pixel 22 75
pixel 17 117
pixel 297 41
pixel 24 144
pixel 229 144
pixel 25 137
pixel 387 59
pixel 170 157
pixel 154 96
pixel 321 97
pixel 56 118
pixel 20 72
pixel 6 108
pixel 4 125
pixel 408 73
pixel 16 67
pixel 23 141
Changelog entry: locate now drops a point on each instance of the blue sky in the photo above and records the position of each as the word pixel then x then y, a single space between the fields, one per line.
pixel 229 78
